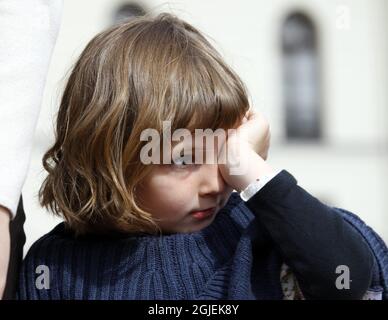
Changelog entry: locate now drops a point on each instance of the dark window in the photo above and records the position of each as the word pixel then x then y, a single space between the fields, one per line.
pixel 301 85
pixel 128 11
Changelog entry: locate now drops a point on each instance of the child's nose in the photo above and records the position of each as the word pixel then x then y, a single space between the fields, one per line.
pixel 211 180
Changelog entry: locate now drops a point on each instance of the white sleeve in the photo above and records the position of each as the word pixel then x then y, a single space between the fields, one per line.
pixel 255 186
pixel 28 32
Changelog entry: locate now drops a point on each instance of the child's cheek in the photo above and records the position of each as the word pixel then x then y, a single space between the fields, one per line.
pixel 172 197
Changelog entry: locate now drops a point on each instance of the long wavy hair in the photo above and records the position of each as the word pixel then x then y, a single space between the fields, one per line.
pixel 131 77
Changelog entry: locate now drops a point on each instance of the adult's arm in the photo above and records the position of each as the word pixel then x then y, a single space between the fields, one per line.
pixel 28 31
pixel 5 217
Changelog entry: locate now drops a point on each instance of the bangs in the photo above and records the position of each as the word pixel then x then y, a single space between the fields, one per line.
pixel 218 112
pixel 208 97
pixel 184 82
pixel 187 82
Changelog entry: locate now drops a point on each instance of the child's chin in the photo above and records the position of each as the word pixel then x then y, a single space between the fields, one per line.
pixel 202 224
pixel 195 227
pixel 192 227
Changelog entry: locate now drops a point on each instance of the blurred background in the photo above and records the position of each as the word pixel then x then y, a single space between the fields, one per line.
pixel 317 69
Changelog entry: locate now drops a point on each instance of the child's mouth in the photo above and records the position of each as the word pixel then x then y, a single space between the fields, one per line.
pixel 203 214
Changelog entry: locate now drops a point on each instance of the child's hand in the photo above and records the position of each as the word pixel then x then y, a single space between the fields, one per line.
pixel 255 130
pixel 244 152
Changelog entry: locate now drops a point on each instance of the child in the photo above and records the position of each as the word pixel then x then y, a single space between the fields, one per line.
pixel 173 230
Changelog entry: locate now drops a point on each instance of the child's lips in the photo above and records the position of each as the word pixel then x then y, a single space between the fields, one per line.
pixel 203 214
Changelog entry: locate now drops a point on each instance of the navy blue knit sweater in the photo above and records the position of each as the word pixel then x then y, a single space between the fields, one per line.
pixel 238 256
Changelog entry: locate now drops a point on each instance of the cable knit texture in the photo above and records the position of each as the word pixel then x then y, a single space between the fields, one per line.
pixel 214 263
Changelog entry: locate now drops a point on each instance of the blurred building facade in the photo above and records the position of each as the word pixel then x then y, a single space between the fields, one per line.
pixel 317 69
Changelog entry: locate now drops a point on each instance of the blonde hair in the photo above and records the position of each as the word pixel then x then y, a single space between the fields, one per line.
pixel 131 77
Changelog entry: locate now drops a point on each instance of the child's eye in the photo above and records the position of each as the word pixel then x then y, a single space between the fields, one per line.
pixel 183 161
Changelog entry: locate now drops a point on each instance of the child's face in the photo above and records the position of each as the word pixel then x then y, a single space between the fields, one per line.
pixel 172 192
